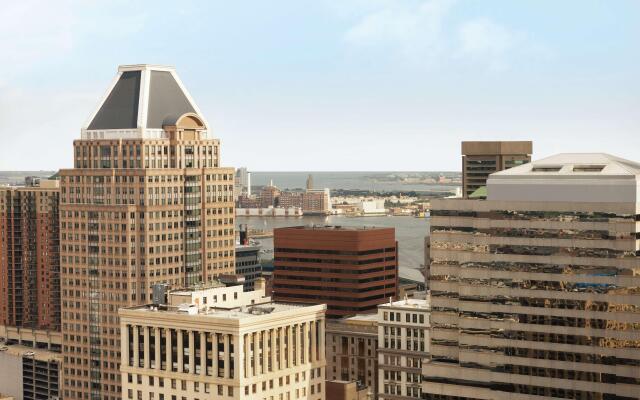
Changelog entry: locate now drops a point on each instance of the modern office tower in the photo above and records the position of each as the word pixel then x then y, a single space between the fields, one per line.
pixel 219 342
pixel 29 373
pixel 146 203
pixel 351 269
pixel 248 264
pixel 535 290
pixel 480 159
pixel 403 344
pixel 352 350
pixel 30 256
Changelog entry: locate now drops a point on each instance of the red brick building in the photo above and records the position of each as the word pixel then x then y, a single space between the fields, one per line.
pixel 350 269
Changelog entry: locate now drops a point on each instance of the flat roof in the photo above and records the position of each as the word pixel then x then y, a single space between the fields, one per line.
pixel 38 354
pixel 335 228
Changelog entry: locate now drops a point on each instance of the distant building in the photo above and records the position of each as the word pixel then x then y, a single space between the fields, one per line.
pixel 310 182
pixel 248 264
pixel 403 344
pixel 222 342
pixel 30 255
pixel 316 201
pixel 480 159
pixel 535 289
pixel 372 207
pixel 290 199
pixel 242 182
pixel 352 350
pixel 350 269
pixel 268 197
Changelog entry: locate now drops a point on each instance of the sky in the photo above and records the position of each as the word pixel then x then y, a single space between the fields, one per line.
pixel 323 85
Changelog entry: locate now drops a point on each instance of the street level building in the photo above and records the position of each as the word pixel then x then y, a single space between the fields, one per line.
pixel 223 343
pixel 535 290
pixel 480 159
pixel 351 269
pixel 352 350
pixel 30 255
pixel 146 203
pixel 403 344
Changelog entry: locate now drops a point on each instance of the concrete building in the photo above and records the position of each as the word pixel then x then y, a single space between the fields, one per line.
pixel 535 290
pixel 352 350
pixel 480 159
pixel 346 390
pixel 30 255
pixel 146 202
pixel 248 264
pixel 30 373
pixel 403 344
pixel 351 269
pixel 221 342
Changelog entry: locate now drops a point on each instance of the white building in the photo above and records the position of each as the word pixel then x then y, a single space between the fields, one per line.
pixel 403 343
pixel 223 343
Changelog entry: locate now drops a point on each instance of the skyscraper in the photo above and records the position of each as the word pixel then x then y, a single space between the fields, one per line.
pixel 145 203
pixel 29 255
pixel 480 159
pixel 535 291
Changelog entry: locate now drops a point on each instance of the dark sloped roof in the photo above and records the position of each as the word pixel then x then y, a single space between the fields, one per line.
pixel 120 109
pixel 166 99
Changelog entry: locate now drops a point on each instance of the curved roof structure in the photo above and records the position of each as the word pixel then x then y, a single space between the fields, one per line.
pixel 142 98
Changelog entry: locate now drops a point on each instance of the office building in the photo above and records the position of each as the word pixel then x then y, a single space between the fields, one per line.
pixel 351 269
pixel 248 264
pixel 29 373
pixel 403 344
pixel 480 159
pixel 352 350
pixel 29 255
pixel 221 342
pixel 534 291
pixel 146 202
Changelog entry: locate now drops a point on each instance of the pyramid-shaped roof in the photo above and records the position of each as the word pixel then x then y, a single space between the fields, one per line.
pixel 142 97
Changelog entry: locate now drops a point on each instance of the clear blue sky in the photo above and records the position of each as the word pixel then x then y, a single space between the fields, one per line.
pixel 334 85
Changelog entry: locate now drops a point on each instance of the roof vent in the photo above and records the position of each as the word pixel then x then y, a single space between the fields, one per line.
pixel 588 168
pixel 546 168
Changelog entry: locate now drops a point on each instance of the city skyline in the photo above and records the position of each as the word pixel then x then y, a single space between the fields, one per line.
pixel 335 76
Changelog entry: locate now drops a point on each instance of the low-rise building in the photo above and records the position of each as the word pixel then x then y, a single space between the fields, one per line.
pixel 403 343
pixel 352 345
pixel 347 390
pixel 222 342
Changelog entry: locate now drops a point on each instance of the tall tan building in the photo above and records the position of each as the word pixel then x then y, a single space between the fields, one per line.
pixel 29 255
pixel 480 159
pixel 220 342
pixel 145 203
pixel 535 291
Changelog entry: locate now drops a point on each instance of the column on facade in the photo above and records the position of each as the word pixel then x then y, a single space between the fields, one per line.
pixel 124 345
pixel 304 353
pixel 203 353
pixel 272 348
pixel 237 356
pixel 247 355
pixel 180 350
pixel 214 354
pixel 168 349
pixel 321 339
pixel 136 347
pixel 289 346
pixel 313 350
pixel 227 357
pixel 256 353
pixel 265 351
pixel 192 352
pixel 147 347
pixel 281 331
pixel 156 338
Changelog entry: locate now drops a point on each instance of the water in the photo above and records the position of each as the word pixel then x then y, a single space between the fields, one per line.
pixel 410 232
pixel 372 181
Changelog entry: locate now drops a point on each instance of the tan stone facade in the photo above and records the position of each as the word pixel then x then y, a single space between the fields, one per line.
pixel 142 206
pixel 352 350
pixel 223 343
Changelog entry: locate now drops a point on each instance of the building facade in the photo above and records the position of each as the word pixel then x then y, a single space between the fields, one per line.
pixel 248 264
pixel 30 256
pixel 403 344
pixel 535 290
pixel 480 159
pixel 146 202
pixel 352 350
pixel 30 373
pixel 223 343
pixel 350 269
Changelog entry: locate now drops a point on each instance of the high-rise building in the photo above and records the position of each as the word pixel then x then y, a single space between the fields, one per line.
pixel 535 290
pixel 403 344
pixel 351 269
pixel 480 159
pixel 29 255
pixel 145 203
pixel 352 350
pixel 220 342
pixel 242 182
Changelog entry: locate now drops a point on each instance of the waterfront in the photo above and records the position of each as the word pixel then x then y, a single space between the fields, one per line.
pixel 410 232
